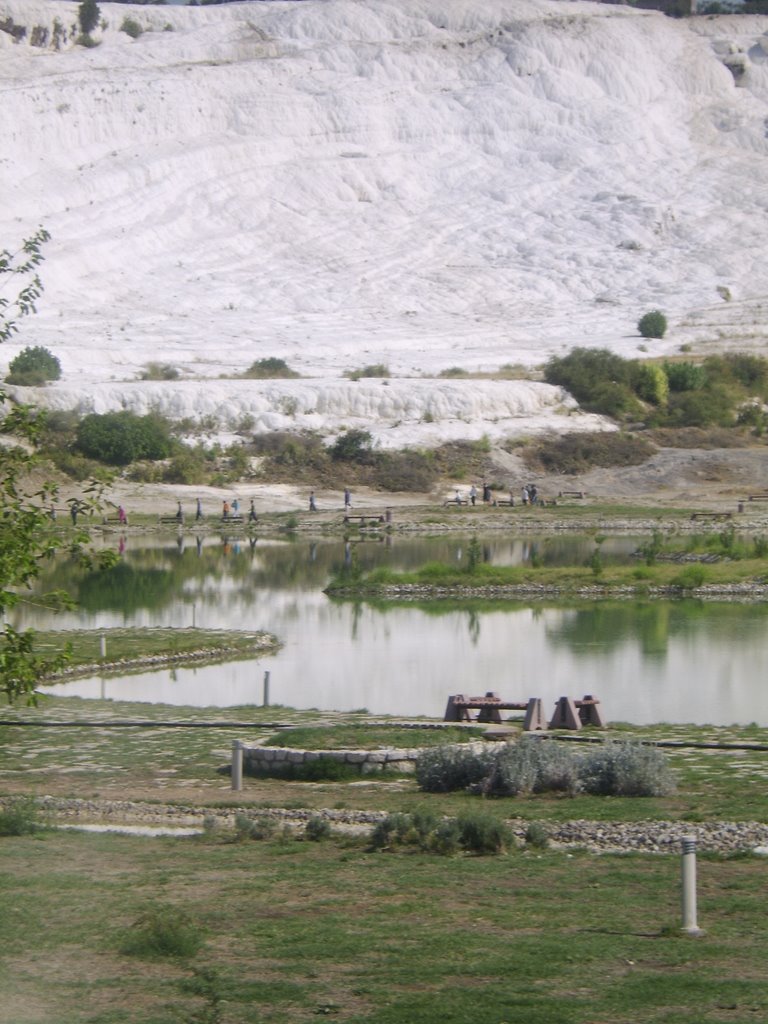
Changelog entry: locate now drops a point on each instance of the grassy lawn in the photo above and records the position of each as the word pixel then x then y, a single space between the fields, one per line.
pixel 292 930
pixel 123 646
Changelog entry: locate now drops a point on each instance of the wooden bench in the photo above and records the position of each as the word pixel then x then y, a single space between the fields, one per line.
pixel 456 501
pixel 489 708
pixel 232 519
pixel 572 494
pixel 505 501
pixel 758 497
pixel 569 713
pixel 712 515
pixel 364 519
pixel 179 520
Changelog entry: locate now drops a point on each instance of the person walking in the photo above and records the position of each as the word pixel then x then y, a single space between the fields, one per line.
pixel 252 517
pixel 473 494
pixel 199 510
pixel 347 499
pixel 312 502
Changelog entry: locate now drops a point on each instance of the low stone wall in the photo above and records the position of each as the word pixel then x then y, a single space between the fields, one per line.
pixel 274 760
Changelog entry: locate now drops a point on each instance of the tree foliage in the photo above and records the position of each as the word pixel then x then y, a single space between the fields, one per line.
pixel 88 15
pixel 119 438
pixel 20 267
pixel 33 366
pixel 27 534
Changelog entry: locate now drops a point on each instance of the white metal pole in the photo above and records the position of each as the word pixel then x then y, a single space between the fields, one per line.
pixel 237 765
pixel 690 925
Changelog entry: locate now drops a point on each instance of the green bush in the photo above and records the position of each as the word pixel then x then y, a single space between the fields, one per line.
pixel 119 438
pixel 481 834
pixel 650 383
pixel 88 15
pixel 375 370
pixel 271 367
pixel 690 577
pixel 584 370
pixel 33 367
pixel 131 27
pixel 20 817
pixel 250 828
pixel 352 446
pixel 163 931
pixel 317 829
pixel 652 324
pixel 406 471
pixel 685 376
pixel 625 769
pixel 159 371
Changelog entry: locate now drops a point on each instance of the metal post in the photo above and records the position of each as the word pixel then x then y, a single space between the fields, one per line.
pixel 103 646
pixel 689 886
pixel 237 765
pixel 266 690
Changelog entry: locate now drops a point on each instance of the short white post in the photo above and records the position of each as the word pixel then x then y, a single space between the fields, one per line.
pixel 690 925
pixel 265 702
pixel 237 765
pixel 103 646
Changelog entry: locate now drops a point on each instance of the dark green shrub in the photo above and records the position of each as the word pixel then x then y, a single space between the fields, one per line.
pixel 583 370
pixel 33 367
pixel 88 15
pixel 375 370
pixel 317 829
pixel 131 27
pixel 625 769
pixel 653 324
pixel 20 817
pixel 187 466
pixel 406 471
pixel 163 931
pixel 712 406
pixel 684 376
pixel 353 446
pixel 118 438
pixel 159 371
pixel 271 367
pixel 446 838
pixel 481 834
pixel 536 836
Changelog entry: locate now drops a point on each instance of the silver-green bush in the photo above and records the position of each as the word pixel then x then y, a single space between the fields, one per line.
pixel 452 766
pixel 532 765
pixel 625 769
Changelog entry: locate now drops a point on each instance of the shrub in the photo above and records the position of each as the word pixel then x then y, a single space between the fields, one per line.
pixel 20 817
pixel 685 376
pixel 452 766
pixel 537 836
pixel 118 438
pixel 531 766
pixel 375 370
pixel 652 324
pixel 446 838
pixel 131 27
pixel 159 371
pixel 88 15
pixel 352 446
pixel 650 383
pixel 317 829
pixel 690 577
pixel 33 367
pixel 480 833
pixel 625 769
pixel 271 367
pixel 250 828
pixel 578 452
pixel 163 931
pixel 406 471
pixel 583 370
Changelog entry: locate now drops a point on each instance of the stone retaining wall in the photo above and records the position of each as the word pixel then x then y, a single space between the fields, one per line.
pixel 274 760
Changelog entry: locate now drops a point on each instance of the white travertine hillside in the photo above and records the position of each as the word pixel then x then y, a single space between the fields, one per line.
pixel 423 183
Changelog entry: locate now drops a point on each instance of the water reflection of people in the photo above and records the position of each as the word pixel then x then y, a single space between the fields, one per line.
pixel 121 546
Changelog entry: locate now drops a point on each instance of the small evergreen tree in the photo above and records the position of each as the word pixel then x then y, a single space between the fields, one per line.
pixel 33 366
pixel 88 15
pixel 653 324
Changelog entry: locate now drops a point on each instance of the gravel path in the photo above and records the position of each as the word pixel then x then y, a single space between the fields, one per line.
pixel 597 836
